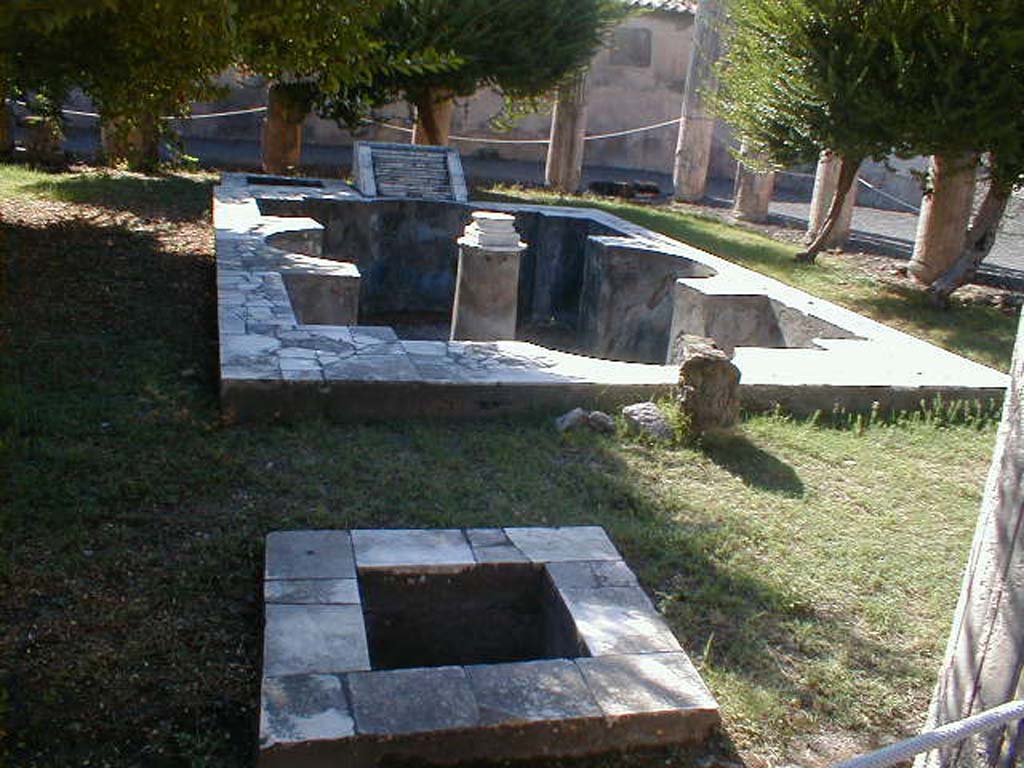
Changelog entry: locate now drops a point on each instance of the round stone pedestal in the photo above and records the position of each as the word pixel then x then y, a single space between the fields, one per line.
pixel 487 285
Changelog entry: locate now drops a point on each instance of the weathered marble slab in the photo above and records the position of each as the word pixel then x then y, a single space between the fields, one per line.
pixel 531 691
pixel 492 545
pixel 553 545
pixel 404 701
pixel 420 549
pixel 311 591
pixel 314 639
pixel 309 555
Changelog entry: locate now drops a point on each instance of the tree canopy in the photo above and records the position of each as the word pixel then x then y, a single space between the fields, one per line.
pixel 523 48
pixel 869 78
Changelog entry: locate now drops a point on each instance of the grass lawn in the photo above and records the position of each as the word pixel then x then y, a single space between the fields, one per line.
pixel 810 569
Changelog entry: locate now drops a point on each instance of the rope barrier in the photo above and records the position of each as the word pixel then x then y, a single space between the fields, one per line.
pixel 942 736
pixel 203 116
pixel 881 192
pixel 488 140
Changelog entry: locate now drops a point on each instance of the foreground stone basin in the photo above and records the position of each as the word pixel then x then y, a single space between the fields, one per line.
pixel 456 645
pixel 302 268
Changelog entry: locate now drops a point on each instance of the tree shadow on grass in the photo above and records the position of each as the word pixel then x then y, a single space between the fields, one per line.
pixel 171 197
pixel 755 467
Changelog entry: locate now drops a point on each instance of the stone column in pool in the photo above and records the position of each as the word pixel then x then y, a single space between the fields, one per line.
pixel 487 286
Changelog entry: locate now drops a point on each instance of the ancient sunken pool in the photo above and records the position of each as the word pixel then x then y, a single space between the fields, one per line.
pixel 455 645
pixel 335 304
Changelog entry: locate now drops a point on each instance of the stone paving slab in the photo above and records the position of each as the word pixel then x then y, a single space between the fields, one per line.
pixel 309 555
pixel 591 575
pixel 405 701
pixel 531 691
pixel 629 684
pixel 424 550
pixel 492 545
pixel 314 639
pixel 301 708
pixel 547 545
pixel 312 591
pixel 618 620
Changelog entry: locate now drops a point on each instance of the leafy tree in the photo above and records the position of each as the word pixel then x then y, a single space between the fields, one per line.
pixel 800 76
pixel 33 54
pixel 523 48
pixel 868 78
pixel 301 46
pixel 960 73
pixel 156 59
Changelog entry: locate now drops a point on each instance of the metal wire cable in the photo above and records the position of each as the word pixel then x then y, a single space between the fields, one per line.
pixel 944 735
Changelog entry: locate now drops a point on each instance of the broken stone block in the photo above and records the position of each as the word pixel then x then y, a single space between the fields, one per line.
pixel 709 384
pixel 648 420
pixel 301 708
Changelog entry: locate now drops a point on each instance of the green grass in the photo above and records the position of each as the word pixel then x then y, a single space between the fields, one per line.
pixel 810 568
pixel 981 333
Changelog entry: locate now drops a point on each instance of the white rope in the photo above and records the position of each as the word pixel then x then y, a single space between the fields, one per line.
pixel 488 140
pixel 870 186
pixel 203 116
pixel 888 196
pixel 942 736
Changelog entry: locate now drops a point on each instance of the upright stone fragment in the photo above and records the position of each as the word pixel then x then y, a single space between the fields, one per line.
pixel 709 384
pixel 487 283
pixel 753 192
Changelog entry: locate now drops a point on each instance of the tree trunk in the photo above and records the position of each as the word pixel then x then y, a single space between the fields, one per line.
pixel 134 141
pixel 6 129
pixel 977 244
pixel 43 137
pixel 945 211
pixel 984 655
pixel 434 109
pixel 847 175
pixel 697 126
pixel 826 178
pixel 282 130
pixel 753 193
pixel 564 167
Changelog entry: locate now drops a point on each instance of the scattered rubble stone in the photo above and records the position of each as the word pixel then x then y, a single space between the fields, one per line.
pixel 647 419
pixel 601 421
pixel 575 418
